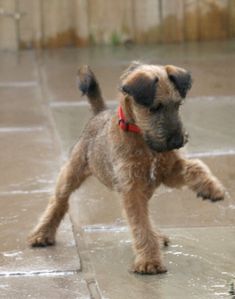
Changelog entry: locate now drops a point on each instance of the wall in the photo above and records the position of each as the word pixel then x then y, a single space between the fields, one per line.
pixel 58 23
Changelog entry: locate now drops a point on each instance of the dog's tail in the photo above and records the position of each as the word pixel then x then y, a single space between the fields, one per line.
pixel 89 86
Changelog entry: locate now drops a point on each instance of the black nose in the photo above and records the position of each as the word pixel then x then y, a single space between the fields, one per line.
pixel 176 141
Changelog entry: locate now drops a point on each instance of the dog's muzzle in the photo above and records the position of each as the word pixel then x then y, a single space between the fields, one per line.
pixel 176 142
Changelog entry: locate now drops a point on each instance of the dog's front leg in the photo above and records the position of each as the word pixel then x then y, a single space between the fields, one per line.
pixel 146 241
pixel 198 177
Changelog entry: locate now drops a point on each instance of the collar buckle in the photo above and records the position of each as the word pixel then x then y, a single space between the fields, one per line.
pixel 124 125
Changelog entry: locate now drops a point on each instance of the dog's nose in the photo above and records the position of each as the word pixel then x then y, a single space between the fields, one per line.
pixel 176 141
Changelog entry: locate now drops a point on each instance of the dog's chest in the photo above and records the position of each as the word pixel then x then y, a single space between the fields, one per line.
pixel 153 171
pixel 143 166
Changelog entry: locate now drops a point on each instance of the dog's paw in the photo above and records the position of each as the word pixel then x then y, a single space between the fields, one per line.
pixel 143 266
pixel 41 239
pixel 214 192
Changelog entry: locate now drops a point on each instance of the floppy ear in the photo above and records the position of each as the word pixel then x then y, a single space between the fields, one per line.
pixel 181 79
pixel 142 88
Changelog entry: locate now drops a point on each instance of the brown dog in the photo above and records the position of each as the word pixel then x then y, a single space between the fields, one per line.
pixel 133 152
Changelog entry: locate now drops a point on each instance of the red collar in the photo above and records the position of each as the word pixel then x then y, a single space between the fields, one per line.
pixel 124 125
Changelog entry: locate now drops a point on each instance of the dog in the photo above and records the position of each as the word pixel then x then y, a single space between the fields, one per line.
pixel 133 151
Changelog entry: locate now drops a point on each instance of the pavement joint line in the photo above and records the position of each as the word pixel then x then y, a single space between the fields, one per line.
pixel 94 289
pixel 21 129
pixel 83 103
pixel 210 98
pixel 46 273
pixel 104 228
pixel 19 192
pixel 18 84
pixel 116 228
pixel 78 103
pixel 87 267
pixel 212 153
pixel 176 228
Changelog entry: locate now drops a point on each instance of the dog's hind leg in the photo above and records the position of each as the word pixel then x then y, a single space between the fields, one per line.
pixel 70 178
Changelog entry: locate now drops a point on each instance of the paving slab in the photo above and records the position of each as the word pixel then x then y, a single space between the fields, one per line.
pixel 200 258
pixel 209 121
pixel 211 124
pixel 60 69
pixel 21 108
pixel 44 287
pixel 170 207
pixel 210 78
pixel 18 69
pixel 70 121
pixel 200 264
pixel 29 160
pixel 94 206
pixel 19 215
pixel 62 85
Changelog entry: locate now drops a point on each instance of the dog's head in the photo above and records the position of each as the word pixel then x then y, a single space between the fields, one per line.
pixel 154 94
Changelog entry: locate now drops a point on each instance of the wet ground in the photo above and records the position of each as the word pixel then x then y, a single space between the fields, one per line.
pixel 41 117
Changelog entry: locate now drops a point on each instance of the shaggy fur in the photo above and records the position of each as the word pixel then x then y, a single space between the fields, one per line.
pixel 132 164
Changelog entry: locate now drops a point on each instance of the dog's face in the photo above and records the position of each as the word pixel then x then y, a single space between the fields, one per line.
pixel 153 96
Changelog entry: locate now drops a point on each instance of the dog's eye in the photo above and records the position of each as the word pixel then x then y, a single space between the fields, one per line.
pixel 157 108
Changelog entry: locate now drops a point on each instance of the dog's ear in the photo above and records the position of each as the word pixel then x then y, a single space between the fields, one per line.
pixel 141 87
pixel 181 79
